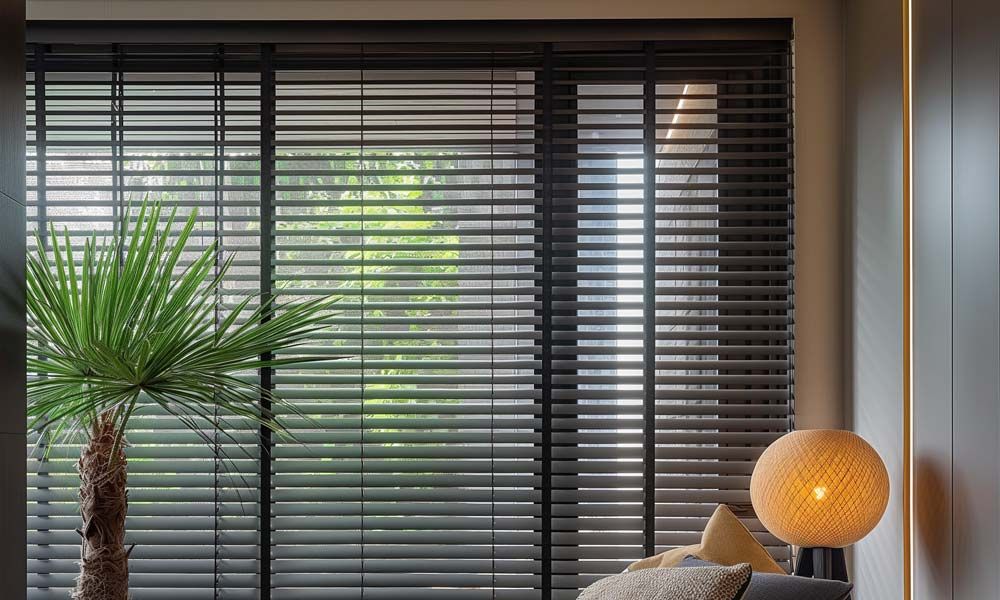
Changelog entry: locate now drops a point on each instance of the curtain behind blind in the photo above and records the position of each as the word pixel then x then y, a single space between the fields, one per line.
pixel 564 331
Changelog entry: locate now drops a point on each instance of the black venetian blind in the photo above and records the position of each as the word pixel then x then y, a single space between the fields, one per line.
pixel 565 326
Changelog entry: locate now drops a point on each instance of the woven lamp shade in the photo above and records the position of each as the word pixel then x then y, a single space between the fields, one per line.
pixel 820 488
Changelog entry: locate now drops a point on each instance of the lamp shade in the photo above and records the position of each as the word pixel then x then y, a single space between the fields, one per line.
pixel 820 488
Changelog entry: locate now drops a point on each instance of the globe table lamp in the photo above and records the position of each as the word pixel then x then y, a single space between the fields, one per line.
pixel 821 490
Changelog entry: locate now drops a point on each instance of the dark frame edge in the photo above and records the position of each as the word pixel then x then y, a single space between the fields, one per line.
pixel 13 419
pixel 399 31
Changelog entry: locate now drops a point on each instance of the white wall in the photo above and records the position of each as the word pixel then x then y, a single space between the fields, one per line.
pixel 874 180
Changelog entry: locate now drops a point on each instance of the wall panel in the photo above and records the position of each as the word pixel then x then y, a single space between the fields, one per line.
pixel 12 378
pixel 976 283
pixel 932 298
pixel 956 296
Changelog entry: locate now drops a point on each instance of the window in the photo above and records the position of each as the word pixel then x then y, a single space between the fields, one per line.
pixel 565 326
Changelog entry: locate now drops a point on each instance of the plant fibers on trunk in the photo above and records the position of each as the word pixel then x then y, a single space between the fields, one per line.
pixel 103 505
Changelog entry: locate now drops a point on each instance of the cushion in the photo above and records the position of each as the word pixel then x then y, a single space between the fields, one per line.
pixel 768 586
pixel 692 583
pixel 726 541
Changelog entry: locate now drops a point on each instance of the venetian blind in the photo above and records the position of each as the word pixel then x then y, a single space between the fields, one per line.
pixel 564 331
pixel 108 129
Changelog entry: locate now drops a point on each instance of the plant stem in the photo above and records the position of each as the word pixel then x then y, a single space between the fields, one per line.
pixel 103 506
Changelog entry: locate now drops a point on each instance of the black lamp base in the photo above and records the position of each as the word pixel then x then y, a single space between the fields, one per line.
pixel 821 563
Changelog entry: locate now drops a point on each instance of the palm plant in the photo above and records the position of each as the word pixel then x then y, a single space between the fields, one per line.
pixel 132 329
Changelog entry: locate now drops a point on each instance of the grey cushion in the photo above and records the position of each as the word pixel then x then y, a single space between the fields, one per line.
pixel 694 583
pixel 768 586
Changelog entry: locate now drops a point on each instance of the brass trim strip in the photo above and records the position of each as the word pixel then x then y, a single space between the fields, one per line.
pixel 907 303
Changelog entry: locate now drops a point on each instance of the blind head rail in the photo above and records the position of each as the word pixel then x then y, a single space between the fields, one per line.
pixel 513 31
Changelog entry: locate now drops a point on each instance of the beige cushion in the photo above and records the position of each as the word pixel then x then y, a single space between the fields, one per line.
pixel 691 583
pixel 726 541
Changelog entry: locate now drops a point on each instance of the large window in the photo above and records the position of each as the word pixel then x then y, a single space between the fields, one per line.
pixel 564 331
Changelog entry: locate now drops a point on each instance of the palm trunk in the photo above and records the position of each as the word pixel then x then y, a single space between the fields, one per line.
pixel 103 504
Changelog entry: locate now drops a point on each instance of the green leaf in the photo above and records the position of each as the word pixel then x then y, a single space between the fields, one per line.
pixel 130 328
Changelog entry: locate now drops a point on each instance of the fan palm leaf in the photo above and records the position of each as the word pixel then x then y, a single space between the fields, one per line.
pixel 128 326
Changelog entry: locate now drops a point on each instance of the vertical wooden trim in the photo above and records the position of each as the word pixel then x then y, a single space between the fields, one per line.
pixel 547 259
pixel 41 145
pixel 267 107
pixel 907 308
pixel 649 302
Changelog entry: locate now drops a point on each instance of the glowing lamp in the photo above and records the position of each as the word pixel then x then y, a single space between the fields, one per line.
pixel 821 490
